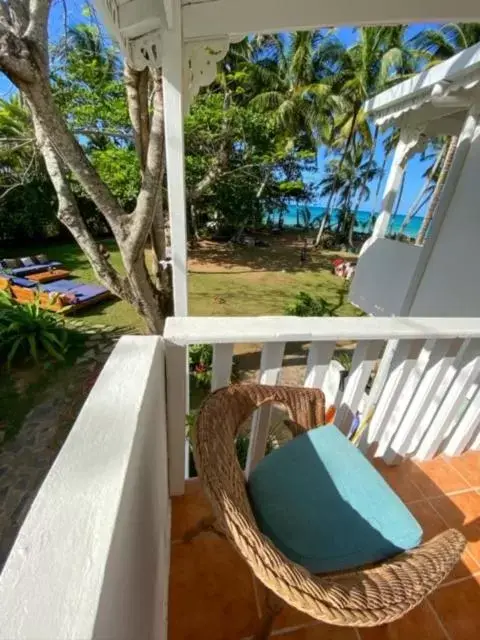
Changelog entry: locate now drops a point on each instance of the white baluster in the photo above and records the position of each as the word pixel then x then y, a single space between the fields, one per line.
pixel 403 360
pixel 434 360
pixel 318 362
pixel 446 372
pixel 221 365
pixel 270 367
pixel 476 442
pixel 452 401
pixel 466 428
pixel 364 358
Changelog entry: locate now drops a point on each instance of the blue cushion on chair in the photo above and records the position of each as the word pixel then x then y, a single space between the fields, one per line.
pixel 323 504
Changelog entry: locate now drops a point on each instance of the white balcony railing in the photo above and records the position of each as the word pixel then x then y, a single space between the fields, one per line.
pixel 92 557
pixel 424 396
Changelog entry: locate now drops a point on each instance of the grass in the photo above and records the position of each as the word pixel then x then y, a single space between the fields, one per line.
pixel 22 387
pixel 223 280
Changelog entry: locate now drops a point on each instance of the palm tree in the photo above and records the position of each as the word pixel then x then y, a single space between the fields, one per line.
pixel 379 58
pixel 443 43
pixel 347 177
pixel 19 155
pixel 284 79
pixel 452 146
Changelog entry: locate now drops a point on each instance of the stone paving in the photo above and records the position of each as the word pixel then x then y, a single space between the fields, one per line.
pixel 26 459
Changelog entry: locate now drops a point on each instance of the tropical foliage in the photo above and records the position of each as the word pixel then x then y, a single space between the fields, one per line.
pixel 279 103
pixel 27 332
pixel 307 305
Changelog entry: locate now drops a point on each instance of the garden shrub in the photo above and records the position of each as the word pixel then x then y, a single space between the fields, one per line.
pixel 29 333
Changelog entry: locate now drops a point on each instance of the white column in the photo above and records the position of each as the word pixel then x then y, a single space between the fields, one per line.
pixel 409 139
pixel 175 156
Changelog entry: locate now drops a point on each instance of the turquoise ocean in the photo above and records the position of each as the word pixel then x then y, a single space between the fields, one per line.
pixel 362 222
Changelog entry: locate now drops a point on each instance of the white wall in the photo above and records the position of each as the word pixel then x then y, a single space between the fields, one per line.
pixel 91 560
pixel 450 285
pixel 382 276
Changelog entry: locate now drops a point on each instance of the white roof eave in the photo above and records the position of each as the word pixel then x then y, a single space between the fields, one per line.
pixel 459 72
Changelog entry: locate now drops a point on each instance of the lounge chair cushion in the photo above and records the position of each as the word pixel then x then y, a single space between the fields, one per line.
pixel 60 286
pixel 323 504
pixel 38 268
pixel 23 282
pixel 88 291
pixel 27 261
pixel 81 291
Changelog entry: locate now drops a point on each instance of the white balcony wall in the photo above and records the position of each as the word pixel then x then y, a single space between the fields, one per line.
pixel 383 275
pixel 91 560
pixel 451 280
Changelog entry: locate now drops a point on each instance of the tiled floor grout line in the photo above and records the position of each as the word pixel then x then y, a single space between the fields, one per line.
pixel 459 472
pixel 415 501
pixel 357 633
pixel 298 627
pixel 456 493
pixel 475 574
pixel 438 619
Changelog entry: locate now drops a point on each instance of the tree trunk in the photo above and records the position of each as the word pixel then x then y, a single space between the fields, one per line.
pixel 379 184
pixel 369 166
pixel 452 146
pixel 24 58
pixel 344 155
pixel 195 236
pixel 321 229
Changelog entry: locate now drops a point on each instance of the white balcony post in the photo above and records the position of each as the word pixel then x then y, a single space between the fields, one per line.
pixel 175 155
pixel 409 139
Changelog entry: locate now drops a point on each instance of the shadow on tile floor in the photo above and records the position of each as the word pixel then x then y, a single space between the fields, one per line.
pixel 213 595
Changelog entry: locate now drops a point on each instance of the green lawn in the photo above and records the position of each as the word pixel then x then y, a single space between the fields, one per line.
pixel 238 292
pixel 222 281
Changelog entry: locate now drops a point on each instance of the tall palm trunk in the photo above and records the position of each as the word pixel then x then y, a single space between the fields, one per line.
pixel 379 184
pixel 364 183
pixel 325 220
pixel 340 166
pixel 452 146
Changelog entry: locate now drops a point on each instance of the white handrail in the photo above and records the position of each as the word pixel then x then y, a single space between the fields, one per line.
pixel 217 330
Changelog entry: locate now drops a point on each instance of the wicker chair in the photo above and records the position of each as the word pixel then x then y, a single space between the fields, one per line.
pixel 367 597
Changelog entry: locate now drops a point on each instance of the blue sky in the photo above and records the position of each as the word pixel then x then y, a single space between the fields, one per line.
pixel 415 168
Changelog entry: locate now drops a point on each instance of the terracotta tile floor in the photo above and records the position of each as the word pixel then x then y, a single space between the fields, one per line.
pixel 213 595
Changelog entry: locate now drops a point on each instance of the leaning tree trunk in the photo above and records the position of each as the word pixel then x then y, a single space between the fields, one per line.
pixel 24 59
pixel 438 190
pixel 321 229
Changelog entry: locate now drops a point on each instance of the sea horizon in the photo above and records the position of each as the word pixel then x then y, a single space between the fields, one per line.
pixel 362 220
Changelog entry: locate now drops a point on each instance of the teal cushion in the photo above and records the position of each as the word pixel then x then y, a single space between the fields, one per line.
pixel 323 504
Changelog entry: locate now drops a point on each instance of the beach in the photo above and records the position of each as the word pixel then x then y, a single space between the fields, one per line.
pixel 363 222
